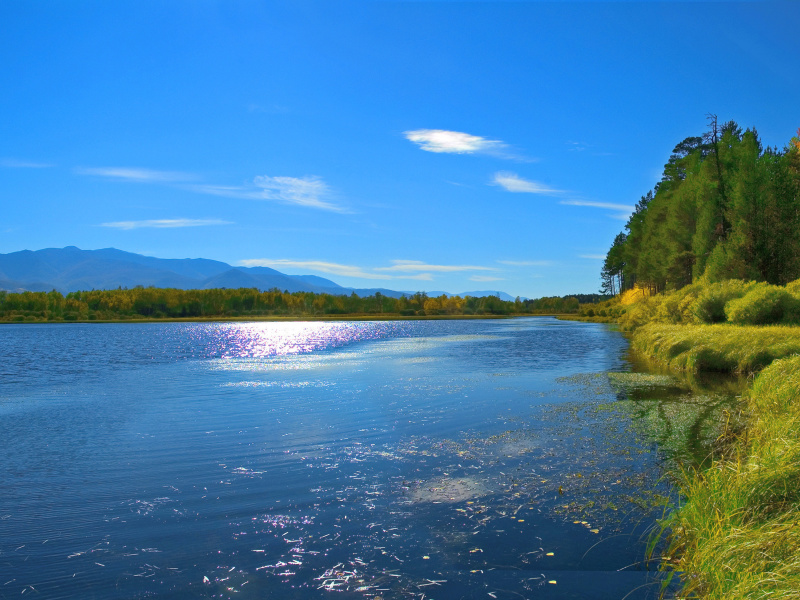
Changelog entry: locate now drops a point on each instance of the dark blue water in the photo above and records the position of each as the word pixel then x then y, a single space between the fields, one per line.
pixel 435 459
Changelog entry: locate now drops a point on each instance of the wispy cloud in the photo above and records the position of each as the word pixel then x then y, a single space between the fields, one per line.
pixel 228 191
pixel 485 278
pixel 313 265
pixel 136 174
pixel 576 146
pixel 512 182
pixel 310 191
pixel 593 256
pixel 526 263
pixel 412 266
pixel 400 269
pixel 622 212
pixel 165 223
pixel 13 163
pixel 608 205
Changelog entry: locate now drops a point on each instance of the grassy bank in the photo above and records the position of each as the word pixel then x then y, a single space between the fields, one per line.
pixel 727 348
pixel 737 534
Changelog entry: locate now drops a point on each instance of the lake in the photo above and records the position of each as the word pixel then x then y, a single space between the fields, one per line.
pixel 391 459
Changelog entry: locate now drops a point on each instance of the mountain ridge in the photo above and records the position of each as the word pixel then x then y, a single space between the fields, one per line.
pixel 71 269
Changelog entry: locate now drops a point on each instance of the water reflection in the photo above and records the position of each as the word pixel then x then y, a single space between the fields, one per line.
pixel 685 414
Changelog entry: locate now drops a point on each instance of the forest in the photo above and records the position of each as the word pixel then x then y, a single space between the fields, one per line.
pixel 725 208
pixel 167 303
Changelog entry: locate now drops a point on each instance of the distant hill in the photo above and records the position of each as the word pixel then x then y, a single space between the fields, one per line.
pixel 71 269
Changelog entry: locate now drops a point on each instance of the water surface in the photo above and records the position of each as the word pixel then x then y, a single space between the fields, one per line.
pixel 435 459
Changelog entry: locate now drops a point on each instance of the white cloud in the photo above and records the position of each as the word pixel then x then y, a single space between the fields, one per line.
pixel 453 142
pixel 526 263
pixel 485 278
pixel 313 265
pixel 512 182
pixel 411 266
pixel 13 163
pixel 165 223
pixel 593 256
pixel 310 191
pixel 607 205
pixel 136 174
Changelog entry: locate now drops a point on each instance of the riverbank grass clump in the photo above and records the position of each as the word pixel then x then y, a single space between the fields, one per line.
pixel 723 347
pixel 738 534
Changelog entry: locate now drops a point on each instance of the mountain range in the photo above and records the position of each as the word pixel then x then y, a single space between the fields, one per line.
pixel 71 269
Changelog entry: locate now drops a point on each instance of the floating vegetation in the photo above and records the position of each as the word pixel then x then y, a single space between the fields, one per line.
pixel 638 381
pixel 449 490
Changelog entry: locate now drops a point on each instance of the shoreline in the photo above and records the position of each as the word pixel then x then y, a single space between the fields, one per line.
pixel 733 535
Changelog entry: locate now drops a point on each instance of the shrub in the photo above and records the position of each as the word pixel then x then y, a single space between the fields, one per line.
pixel 793 287
pixel 764 304
pixel 634 295
pixel 676 306
pixel 638 314
pixel 710 304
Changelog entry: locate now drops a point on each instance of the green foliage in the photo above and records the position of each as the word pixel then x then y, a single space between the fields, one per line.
pixel 709 306
pixel 605 311
pixel 763 304
pixel 552 305
pixel 732 301
pixel 638 314
pixel 674 306
pixel 725 208
pixel 612 275
pixel 678 306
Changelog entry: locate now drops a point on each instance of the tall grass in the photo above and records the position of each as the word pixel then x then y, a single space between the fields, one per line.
pixel 739 349
pixel 738 534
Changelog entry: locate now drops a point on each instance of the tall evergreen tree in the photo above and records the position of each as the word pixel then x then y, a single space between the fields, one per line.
pixel 724 208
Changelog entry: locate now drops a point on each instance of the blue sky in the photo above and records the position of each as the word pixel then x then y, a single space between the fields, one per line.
pixel 445 145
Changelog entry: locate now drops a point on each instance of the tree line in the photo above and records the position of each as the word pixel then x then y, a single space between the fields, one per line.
pixel 726 208
pixel 169 303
